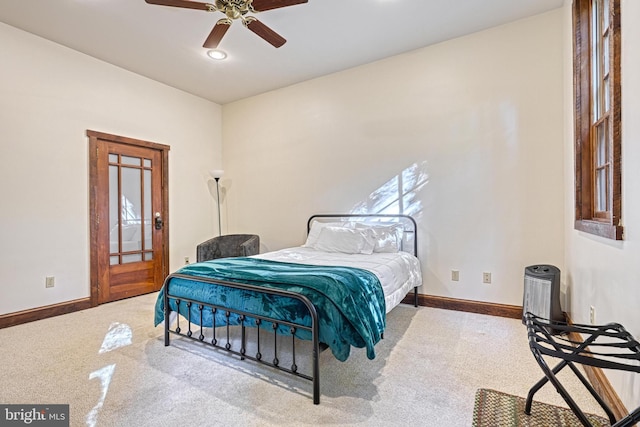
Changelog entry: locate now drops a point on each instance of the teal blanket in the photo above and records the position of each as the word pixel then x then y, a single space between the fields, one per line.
pixel 349 301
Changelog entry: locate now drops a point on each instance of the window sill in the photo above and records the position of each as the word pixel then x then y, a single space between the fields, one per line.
pixel 601 229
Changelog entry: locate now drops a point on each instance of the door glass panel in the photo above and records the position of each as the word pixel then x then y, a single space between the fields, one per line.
pixel 114 218
pixel 131 258
pixel 131 216
pixel 132 161
pixel 148 244
pixel 131 212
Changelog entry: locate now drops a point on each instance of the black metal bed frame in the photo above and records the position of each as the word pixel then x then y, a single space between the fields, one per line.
pixel 617 349
pixel 225 344
pixel 398 217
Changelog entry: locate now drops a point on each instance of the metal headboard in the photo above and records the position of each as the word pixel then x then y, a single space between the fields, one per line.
pixel 410 227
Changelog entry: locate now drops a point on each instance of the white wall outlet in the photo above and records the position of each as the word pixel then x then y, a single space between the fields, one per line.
pixel 50 282
pixel 592 315
pixel 186 260
pixel 455 275
pixel 486 277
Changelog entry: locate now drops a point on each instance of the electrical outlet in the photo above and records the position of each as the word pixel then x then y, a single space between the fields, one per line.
pixel 455 275
pixel 592 315
pixel 486 277
pixel 50 282
pixel 186 260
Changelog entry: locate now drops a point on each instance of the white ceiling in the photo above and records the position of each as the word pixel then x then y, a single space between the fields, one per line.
pixel 323 36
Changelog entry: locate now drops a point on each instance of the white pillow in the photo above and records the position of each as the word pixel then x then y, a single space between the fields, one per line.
pixel 345 240
pixel 314 232
pixel 387 238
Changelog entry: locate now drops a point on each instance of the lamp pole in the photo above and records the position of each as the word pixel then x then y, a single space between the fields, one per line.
pixel 218 200
pixel 217 174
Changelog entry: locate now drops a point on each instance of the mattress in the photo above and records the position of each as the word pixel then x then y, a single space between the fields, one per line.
pixel 398 272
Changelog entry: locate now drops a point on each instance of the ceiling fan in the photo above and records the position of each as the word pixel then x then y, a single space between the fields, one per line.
pixel 235 9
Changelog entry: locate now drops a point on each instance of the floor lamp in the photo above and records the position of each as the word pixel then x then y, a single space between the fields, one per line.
pixel 217 174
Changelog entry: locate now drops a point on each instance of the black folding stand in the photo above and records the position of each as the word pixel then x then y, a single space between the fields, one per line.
pixel 606 346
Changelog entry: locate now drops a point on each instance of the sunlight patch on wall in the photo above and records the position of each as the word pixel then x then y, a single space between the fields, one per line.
pixel 399 195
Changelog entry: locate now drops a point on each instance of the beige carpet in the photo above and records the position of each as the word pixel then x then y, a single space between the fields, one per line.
pixel 109 363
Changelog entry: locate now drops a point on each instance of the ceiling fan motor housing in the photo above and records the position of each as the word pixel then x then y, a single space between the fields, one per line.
pixel 234 9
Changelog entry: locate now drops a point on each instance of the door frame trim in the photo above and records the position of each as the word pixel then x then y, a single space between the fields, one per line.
pixel 94 137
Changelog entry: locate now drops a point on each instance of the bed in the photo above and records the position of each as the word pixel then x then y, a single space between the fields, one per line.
pixel 333 291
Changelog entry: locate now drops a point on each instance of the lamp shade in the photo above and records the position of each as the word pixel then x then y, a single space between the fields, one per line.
pixel 216 173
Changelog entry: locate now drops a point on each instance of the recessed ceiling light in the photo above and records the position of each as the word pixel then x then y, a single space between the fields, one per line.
pixel 217 54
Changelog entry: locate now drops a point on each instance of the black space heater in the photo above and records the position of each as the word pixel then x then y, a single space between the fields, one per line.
pixel 542 292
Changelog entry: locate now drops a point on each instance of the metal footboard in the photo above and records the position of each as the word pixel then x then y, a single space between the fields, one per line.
pixel 221 339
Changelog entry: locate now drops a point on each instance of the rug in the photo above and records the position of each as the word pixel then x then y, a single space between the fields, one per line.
pixel 497 409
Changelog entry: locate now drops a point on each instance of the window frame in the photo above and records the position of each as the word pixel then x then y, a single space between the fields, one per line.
pixel 607 223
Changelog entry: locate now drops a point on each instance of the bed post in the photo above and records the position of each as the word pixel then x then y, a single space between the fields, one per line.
pixel 316 359
pixel 415 254
pixel 167 312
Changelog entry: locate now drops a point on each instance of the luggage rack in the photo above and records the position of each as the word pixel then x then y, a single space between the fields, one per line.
pixel 605 346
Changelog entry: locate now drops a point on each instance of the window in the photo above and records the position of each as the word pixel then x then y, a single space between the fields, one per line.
pixel 596 30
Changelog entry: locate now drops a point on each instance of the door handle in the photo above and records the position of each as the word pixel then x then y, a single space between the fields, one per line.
pixel 158 221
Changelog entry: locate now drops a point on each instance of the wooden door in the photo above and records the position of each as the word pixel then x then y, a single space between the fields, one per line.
pixel 128 214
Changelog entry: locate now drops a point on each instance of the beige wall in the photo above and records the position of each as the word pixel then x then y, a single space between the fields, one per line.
pixel 602 273
pixel 477 119
pixel 49 97
pixel 483 123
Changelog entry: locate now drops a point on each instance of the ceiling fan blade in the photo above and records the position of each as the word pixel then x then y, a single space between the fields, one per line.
pixel 262 5
pixel 265 32
pixel 217 33
pixel 182 3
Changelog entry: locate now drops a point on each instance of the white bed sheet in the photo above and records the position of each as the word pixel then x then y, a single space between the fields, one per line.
pixel 398 272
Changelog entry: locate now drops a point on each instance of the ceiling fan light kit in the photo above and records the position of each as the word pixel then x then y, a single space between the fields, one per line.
pixel 217 54
pixel 235 9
